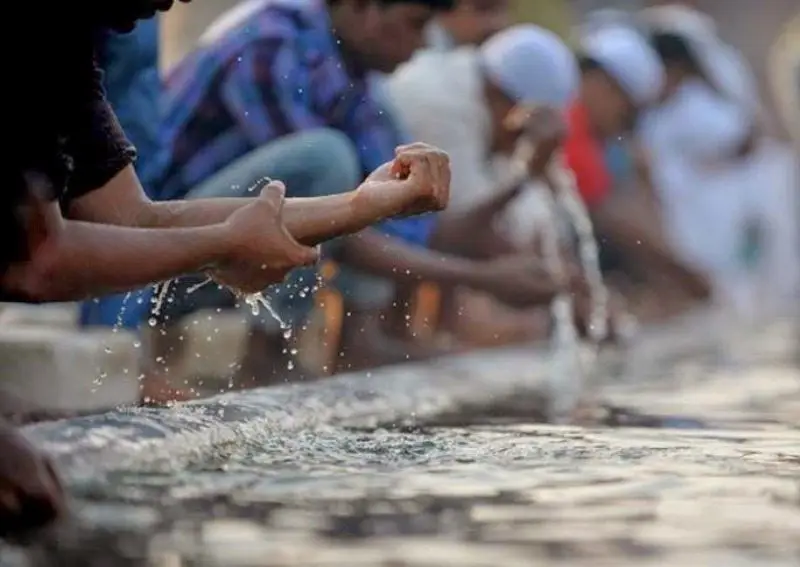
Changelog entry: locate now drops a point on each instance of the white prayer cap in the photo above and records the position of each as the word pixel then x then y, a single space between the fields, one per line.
pixel 531 65
pixel 628 58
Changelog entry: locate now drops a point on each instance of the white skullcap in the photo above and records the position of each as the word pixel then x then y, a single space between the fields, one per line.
pixel 531 65
pixel 629 59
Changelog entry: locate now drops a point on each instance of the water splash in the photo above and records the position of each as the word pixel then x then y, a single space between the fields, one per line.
pixel 160 297
pixel 571 358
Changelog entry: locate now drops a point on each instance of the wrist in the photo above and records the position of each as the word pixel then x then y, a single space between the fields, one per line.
pixel 371 206
pixel 222 240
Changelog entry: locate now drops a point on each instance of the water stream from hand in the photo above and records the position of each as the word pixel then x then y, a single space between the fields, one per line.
pixel 571 357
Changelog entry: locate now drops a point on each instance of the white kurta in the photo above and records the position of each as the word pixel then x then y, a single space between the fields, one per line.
pixel 709 197
pixel 690 139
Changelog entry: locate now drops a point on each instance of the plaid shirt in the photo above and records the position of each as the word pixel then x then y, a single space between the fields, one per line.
pixel 279 71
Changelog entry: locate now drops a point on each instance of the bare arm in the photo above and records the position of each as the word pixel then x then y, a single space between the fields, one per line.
pixel 647 246
pixel 471 233
pixel 72 260
pixel 385 256
pixel 123 202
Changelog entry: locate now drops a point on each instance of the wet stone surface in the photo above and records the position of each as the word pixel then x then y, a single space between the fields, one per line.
pixel 497 493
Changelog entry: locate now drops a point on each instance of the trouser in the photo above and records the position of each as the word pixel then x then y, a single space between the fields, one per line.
pixel 313 163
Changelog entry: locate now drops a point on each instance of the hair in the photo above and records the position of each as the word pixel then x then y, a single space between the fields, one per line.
pixel 438 5
pixel 586 64
pixel 675 50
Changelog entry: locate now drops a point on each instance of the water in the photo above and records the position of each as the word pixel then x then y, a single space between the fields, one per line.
pixel 572 359
pixel 443 464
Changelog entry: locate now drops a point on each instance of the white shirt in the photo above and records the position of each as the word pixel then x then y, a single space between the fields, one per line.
pixel 691 139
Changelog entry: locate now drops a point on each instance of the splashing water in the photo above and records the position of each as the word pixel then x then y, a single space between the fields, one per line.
pixel 258 300
pixel 160 297
pixel 571 359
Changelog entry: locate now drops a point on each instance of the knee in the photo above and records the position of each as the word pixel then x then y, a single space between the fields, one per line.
pixel 331 158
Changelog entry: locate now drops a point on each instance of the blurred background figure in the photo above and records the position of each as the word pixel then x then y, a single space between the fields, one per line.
pixel 727 189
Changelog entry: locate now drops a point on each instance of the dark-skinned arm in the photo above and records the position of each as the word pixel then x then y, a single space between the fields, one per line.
pixel 71 260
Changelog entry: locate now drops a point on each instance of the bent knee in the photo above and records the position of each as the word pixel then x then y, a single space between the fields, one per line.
pixel 331 157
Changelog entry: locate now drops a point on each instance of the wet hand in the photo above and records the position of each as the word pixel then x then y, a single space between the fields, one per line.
pixel 416 181
pixel 262 251
pixel 522 280
pixel 31 495
pixel 544 128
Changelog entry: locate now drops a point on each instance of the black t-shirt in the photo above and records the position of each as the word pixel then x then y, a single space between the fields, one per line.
pixel 60 129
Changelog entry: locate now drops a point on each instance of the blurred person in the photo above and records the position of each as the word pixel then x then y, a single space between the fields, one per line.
pixel 470 22
pixel 277 83
pixel 495 80
pixel 492 81
pixel 621 76
pixel 727 190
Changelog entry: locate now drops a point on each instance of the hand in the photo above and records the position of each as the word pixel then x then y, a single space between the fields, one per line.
pixel 544 128
pixel 262 249
pixel 31 495
pixel 416 181
pixel 521 280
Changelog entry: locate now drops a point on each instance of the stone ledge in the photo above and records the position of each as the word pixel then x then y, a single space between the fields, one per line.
pixel 60 370
pixel 61 315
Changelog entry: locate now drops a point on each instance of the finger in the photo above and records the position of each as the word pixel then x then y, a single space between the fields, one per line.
pixel 413 147
pixel 297 253
pixel 274 193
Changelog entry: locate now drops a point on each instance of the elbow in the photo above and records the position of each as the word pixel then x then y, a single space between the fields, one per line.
pixel 39 280
pixel 26 284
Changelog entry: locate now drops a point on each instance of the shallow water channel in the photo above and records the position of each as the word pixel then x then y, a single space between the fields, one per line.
pixel 420 466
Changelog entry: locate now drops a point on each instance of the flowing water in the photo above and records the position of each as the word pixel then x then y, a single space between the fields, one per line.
pixel 444 464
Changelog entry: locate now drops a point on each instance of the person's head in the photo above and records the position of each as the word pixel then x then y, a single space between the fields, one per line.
pixel 679 61
pixel 620 74
pixel 380 35
pixel 684 38
pixel 525 65
pixel 472 22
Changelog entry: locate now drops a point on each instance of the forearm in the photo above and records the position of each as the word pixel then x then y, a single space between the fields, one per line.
pixel 80 262
pixel 310 220
pixel 391 258
pixel 647 247
pixel 470 233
